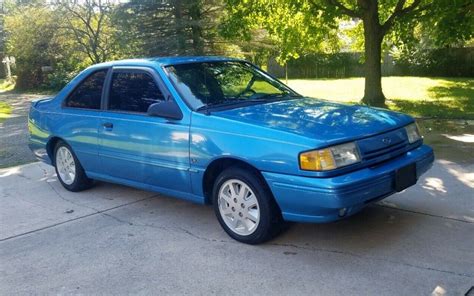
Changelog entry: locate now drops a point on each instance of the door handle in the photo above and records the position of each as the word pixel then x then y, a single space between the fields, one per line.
pixel 108 125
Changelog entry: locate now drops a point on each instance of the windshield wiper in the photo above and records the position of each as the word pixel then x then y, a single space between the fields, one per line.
pixel 265 98
pixel 276 97
pixel 219 104
pixel 227 103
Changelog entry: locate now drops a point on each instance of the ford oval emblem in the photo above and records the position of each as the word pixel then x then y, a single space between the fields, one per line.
pixel 386 141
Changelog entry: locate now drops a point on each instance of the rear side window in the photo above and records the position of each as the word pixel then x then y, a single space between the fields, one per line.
pixel 133 92
pixel 89 92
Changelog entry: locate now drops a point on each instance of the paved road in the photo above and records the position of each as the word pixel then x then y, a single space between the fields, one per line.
pixel 14 131
pixel 118 240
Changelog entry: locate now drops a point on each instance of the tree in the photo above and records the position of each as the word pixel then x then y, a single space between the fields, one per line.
pixel 378 18
pixel 2 37
pixel 292 28
pixel 174 27
pixel 31 40
pixel 88 23
pixel 53 42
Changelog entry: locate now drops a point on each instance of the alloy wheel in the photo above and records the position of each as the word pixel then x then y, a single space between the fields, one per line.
pixel 238 207
pixel 65 165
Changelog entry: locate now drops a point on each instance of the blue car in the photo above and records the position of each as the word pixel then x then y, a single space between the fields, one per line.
pixel 220 131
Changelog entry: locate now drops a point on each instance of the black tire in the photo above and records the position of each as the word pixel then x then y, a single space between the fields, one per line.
pixel 81 181
pixel 271 222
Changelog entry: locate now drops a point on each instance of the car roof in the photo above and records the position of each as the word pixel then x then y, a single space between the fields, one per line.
pixel 165 61
pixel 189 59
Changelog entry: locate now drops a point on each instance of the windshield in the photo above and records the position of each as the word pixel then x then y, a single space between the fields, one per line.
pixel 225 83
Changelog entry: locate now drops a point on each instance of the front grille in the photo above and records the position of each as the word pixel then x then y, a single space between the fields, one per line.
pixel 392 149
pixel 384 146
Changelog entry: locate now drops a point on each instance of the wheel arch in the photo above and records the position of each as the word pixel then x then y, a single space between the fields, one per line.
pixel 219 165
pixel 50 145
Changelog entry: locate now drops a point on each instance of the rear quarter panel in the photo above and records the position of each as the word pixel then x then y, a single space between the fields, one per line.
pixel 47 119
pixel 38 135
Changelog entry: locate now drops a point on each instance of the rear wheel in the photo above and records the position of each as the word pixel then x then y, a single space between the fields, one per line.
pixel 244 206
pixel 68 169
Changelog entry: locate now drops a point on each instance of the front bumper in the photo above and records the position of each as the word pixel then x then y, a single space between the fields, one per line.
pixel 306 199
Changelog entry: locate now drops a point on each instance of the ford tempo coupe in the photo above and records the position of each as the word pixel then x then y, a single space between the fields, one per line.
pixel 220 131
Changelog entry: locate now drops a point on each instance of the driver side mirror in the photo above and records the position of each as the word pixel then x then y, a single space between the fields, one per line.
pixel 166 109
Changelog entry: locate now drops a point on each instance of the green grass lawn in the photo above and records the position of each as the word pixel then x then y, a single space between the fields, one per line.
pixel 6 85
pixel 451 98
pixel 5 111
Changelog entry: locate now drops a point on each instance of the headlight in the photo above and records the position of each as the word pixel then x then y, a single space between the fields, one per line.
pixel 413 133
pixel 329 158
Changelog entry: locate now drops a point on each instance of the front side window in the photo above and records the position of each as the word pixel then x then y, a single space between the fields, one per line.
pixel 89 92
pixel 223 83
pixel 133 92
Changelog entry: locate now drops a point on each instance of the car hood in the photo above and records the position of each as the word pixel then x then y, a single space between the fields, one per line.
pixel 319 119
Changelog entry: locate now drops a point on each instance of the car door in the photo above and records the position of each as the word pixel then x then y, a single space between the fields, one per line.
pixel 79 122
pixel 136 148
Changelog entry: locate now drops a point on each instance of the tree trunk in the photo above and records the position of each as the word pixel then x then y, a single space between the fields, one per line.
pixel 180 38
pixel 373 36
pixel 196 19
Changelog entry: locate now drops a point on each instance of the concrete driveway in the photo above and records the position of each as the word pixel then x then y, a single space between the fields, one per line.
pixel 118 240
pixel 14 131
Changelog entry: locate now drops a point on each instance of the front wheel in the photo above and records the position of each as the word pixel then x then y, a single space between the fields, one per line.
pixel 68 169
pixel 244 206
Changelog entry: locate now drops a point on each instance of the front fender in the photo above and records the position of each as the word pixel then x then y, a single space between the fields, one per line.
pixel 214 137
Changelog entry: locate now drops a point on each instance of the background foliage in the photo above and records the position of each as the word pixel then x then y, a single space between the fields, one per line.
pixel 53 40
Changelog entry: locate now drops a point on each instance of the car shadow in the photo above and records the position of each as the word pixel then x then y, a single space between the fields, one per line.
pixel 374 227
